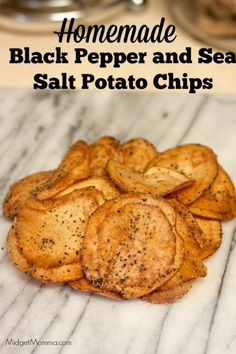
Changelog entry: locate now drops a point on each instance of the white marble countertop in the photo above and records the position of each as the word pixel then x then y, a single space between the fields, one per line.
pixel 35 131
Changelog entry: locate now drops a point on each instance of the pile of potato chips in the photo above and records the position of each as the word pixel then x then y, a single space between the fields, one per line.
pixel 121 220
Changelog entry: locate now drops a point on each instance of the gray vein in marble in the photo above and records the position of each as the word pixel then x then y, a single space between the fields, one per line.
pixel 162 325
pixel 195 116
pixel 55 317
pixel 14 300
pixel 23 314
pixel 78 321
pixel 219 292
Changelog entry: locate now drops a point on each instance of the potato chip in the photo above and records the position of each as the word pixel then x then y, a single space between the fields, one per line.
pixel 213 231
pixel 192 266
pixel 74 167
pixel 111 246
pixel 140 246
pixel 59 274
pixel 14 253
pixel 103 184
pixel 136 154
pixel 169 296
pixel 22 190
pixel 64 273
pixel 99 222
pixel 158 180
pixel 84 285
pixel 197 162
pixel 188 228
pixel 218 202
pixel 133 274
pixel 107 210
pixel 100 153
pixel 53 236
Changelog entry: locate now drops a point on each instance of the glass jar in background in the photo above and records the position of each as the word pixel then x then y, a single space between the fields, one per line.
pixel 42 15
pixel 210 21
pixel 217 17
pixel 40 3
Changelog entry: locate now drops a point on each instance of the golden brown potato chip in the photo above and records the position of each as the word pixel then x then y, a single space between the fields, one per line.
pixel 107 210
pixel 14 253
pixel 74 167
pixel 53 235
pixel 165 207
pixel 84 285
pixel 197 162
pixel 218 202
pixel 100 153
pixel 59 274
pixel 192 266
pixel 158 180
pixel 103 184
pixel 188 228
pixel 136 154
pixel 99 222
pixel 22 190
pixel 169 296
pixel 64 273
pixel 213 231
pixel 133 274
pixel 140 247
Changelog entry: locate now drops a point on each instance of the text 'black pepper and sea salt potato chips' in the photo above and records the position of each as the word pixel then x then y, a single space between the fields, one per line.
pixel 98 222
pixel 135 250
pixel 197 162
pixel 159 181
